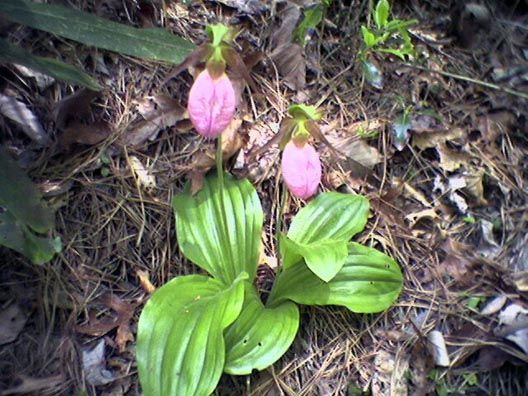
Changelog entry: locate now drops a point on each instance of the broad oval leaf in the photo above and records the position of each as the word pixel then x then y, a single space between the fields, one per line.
pixel 381 13
pixel 151 43
pixel 61 71
pixel 330 217
pixel 370 281
pixel 220 235
pixel 180 342
pixel 260 335
pixel 324 258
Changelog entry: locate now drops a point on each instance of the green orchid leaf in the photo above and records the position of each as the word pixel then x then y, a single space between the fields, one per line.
pixel 260 335
pixel 152 43
pixel 180 341
pixel 20 238
pixel 220 235
pixel 20 197
pixel 381 13
pixel 369 281
pixel 10 53
pixel 324 258
pixel 369 38
pixel 331 216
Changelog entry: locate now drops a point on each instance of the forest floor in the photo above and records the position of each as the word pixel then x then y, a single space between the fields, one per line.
pixel 449 197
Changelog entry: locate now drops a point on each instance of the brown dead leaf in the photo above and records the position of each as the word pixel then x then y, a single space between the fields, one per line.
pixel 360 151
pixel 290 62
pixel 98 327
pixel 457 267
pixel 159 112
pixel 12 321
pixel 232 142
pixel 91 134
pixel 430 140
pixel 144 280
pixel 493 125
pixel 74 107
pixel 451 160
pixel 283 34
pixel 425 123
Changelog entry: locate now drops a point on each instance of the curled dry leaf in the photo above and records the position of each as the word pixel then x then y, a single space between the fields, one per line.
pixel 494 305
pixel 20 113
pixel 145 282
pixel 159 112
pixel 143 176
pixel 291 64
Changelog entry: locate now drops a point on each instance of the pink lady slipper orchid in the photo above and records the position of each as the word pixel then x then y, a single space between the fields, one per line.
pixel 212 104
pixel 301 169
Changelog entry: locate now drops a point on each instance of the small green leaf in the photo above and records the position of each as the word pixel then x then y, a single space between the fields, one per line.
pixel 152 43
pixel 331 216
pixel 302 112
pixel 312 17
pixel 400 130
pixel 224 241
pixel 369 38
pixel 260 335
pixel 381 13
pixel 10 53
pixel 21 197
pixel 397 52
pixel 180 342
pixel 324 258
pixel 369 281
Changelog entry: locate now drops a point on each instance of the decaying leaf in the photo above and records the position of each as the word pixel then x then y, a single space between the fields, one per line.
pixel 74 107
pixel 94 365
pixel 451 160
pixel 89 134
pixel 18 112
pixel 488 246
pixel 159 112
pixel 12 321
pixel 360 151
pixel 430 140
pixel 288 56
pixel 143 176
pixel 98 327
pixel 232 141
pixel 493 125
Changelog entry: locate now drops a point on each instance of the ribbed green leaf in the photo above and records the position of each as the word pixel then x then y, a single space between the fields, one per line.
pixel 331 253
pixel 10 53
pixel 330 218
pixel 180 342
pixel 370 281
pixel 222 236
pixel 260 335
pixel 152 43
pixel 20 196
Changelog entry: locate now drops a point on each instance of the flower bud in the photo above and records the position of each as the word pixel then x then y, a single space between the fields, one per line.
pixel 301 169
pixel 212 104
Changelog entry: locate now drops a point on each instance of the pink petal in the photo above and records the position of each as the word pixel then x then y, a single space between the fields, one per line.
pixel 212 104
pixel 301 169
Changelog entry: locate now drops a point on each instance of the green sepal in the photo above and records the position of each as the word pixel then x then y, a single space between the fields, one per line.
pixel 302 112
